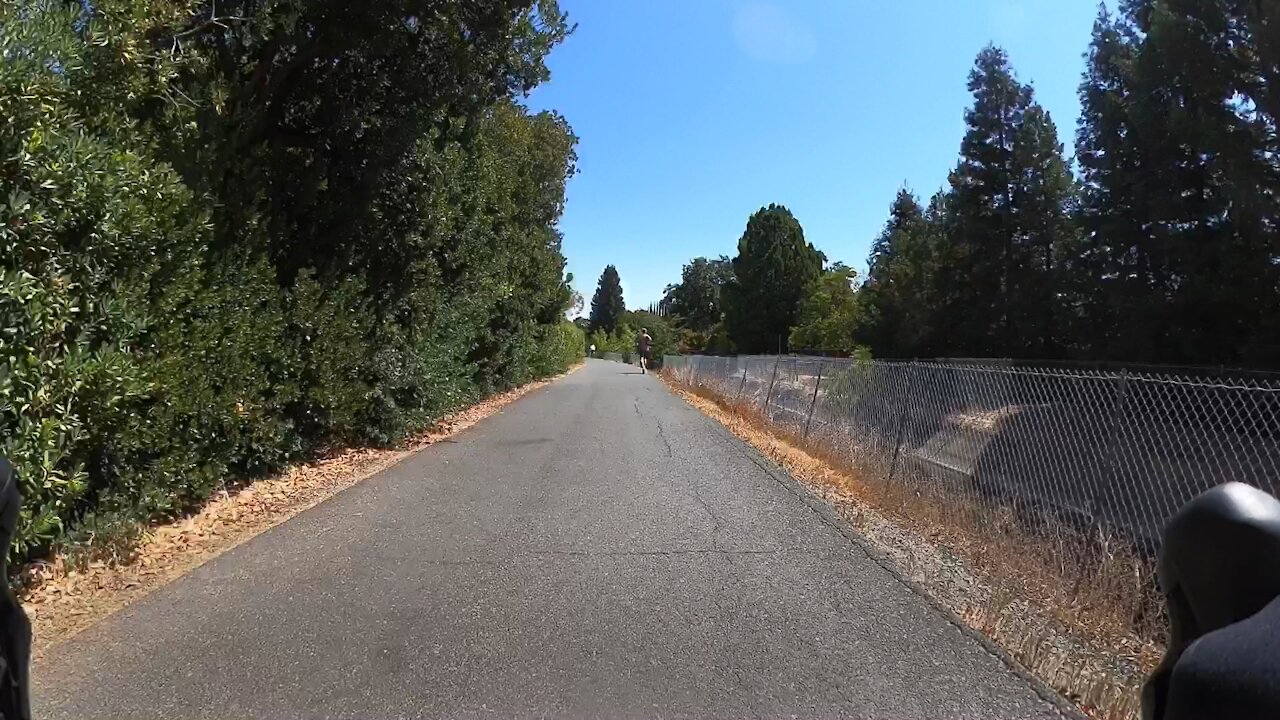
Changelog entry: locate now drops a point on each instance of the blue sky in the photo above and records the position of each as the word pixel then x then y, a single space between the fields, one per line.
pixel 692 114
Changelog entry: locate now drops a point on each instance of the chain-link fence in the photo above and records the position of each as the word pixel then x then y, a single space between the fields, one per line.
pixel 1089 450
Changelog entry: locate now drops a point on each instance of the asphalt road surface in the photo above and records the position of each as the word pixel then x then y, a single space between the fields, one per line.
pixel 598 549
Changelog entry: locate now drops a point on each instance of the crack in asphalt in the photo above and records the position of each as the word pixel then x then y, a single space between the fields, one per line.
pixel 715 521
pixel 663 435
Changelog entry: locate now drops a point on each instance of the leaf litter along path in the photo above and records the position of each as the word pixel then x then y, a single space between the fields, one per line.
pixel 62 601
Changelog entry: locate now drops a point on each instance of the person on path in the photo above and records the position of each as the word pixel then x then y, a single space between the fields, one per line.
pixel 643 341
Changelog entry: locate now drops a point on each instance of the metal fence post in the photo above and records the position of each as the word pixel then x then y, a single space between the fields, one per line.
pixel 742 384
pixel 772 380
pixel 1113 445
pixel 812 402
pixel 897 440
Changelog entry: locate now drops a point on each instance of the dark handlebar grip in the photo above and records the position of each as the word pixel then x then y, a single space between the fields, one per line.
pixel 15 628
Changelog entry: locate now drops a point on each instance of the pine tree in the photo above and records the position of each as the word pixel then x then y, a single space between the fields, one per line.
pixel 980 232
pixel 1116 279
pixel 771 273
pixel 1006 224
pixel 1044 239
pixel 1202 73
pixel 1178 149
pixel 896 297
pixel 607 306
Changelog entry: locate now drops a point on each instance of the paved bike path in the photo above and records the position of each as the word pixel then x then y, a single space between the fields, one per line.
pixel 598 549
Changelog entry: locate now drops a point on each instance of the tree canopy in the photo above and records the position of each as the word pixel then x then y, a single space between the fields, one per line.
pixel 607 306
pixel 830 315
pixel 771 272
pixel 897 294
pixel 996 288
pixel 232 233
pixel 697 297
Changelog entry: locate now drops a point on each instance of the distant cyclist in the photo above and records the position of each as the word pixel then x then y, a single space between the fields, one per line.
pixel 643 341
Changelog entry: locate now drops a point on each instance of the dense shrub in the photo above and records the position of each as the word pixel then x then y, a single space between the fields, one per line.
pixel 561 346
pixel 194 290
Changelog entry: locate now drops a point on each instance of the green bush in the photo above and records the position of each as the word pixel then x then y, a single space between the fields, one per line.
pixel 850 383
pixel 560 347
pixel 187 301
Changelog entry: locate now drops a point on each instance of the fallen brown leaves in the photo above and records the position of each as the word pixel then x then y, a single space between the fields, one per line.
pixel 63 599
pixel 1075 642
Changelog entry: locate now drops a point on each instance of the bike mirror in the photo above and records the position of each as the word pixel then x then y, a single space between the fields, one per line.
pixel 1220 564
pixel 1222 550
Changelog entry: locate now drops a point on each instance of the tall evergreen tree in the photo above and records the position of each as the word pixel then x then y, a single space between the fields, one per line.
pixel 1207 67
pixel 1006 224
pixel 1182 213
pixel 896 298
pixel 1044 240
pixel 771 273
pixel 607 306
pixel 980 233
pixel 1117 280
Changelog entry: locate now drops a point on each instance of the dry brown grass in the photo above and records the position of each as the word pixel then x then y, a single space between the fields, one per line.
pixel 1078 611
pixel 65 595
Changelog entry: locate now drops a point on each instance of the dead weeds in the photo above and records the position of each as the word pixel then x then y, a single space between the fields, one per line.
pixel 1087 629
pixel 65 595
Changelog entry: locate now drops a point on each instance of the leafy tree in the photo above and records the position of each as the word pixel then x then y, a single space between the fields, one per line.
pixel 563 346
pixel 697 298
pixel 718 341
pixel 771 273
pixel 607 306
pixel 598 338
pixel 299 135
pixel 830 314
pixel 232 233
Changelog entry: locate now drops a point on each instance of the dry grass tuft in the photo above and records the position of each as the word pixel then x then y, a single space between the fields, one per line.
pixel 67 594
pixel 1091 626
